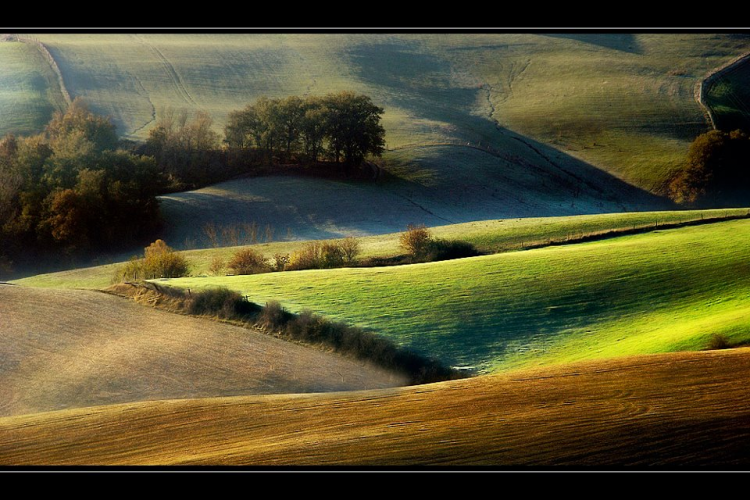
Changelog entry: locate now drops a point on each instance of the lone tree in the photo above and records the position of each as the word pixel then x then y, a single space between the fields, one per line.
pixel 416 240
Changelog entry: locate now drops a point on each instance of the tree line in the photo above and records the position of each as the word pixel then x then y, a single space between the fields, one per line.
pixel 339 129
pixel 76 186
pixel 342 127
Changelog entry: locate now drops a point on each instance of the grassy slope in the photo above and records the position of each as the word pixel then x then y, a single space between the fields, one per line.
pixel 671 411
pixel 656 292
pixel 729 97
pixel 29 92
pixel 105 349
pixel 476 187
pixel 488 236
pixel 623 102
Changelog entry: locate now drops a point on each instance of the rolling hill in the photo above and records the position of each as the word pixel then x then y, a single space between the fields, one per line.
pixel 73 349
pixel 661 291
pixel 444 185
pixel 479 126
pixel 623 102
pixel 729 98
pixel 489 236
pixel 675 411
pixel 504 140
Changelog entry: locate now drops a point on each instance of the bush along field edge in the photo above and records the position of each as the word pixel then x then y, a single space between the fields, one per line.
pixel 306 328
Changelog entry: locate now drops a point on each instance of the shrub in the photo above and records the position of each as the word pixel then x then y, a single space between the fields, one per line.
pixel 331 255
pixel 218 265
pixel 350 248
pixel 719 341
pixel 416 240
pixel 221 302
pixel 212 301
pixel 161 261
pixel 307 257
pixel 281 261
pixel 273 316
pixel 450 249
pixel 248 261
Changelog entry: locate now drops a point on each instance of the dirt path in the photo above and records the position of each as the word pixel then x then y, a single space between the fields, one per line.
pixel 47 55
pixel 150 102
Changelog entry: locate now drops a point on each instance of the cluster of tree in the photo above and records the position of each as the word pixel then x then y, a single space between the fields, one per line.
pixel 187 149
pixel 71 188
pixel 717 169
pixel 343 127
pixel 340 127
pixel 77 187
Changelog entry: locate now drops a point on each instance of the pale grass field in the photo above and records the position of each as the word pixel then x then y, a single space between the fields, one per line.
pixel 29 92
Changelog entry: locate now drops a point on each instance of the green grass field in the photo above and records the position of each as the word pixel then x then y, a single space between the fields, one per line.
pixel 729 97
pixel 656 292
pixel 621 102
pixel 488 236
pixel 29 92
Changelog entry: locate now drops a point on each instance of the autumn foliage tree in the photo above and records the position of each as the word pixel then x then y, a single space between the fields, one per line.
pixel 72 188
pixel 185 147
pixel 159 261
pixel 717 169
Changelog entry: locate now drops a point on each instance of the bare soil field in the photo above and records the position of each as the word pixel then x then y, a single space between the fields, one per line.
pixel 664 411
pixel 74 348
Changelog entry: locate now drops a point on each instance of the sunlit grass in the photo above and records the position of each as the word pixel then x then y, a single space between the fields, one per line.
pixel 488 236
pixel 655 292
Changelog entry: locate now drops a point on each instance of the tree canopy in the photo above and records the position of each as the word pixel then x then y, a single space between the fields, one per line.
pixel 717 169
pixel 343 127
pixel 72 188
pixel 184 146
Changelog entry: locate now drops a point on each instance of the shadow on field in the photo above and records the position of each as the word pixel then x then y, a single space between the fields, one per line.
pixel 624 42
pixel 425 86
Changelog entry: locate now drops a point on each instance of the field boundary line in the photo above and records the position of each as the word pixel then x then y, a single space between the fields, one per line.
pixel 705 84
pixel 616 233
